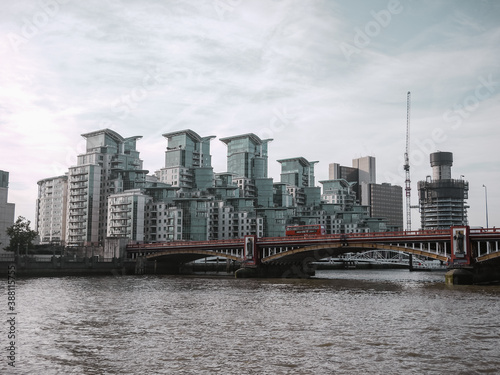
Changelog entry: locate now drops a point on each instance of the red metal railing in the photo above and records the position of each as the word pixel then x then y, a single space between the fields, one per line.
pixel 402 235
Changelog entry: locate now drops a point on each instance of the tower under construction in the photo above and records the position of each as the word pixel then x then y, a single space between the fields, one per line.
pixel 441 198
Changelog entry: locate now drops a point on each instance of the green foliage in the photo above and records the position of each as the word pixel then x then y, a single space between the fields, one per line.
pixel 20 235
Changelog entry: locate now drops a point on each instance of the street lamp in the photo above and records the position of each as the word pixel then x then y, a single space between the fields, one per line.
pixel 486 201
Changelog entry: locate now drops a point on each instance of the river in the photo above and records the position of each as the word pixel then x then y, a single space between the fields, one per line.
pixel 340 322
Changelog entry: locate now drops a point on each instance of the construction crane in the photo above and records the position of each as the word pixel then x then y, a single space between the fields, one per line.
pixel 407 165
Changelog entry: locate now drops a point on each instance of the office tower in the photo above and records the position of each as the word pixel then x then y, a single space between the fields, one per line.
pixel 366 168
pixel 385 201
pixel 441 198
pixel 7 210
pixel 363 170
pixel 337 171
pixel 51 209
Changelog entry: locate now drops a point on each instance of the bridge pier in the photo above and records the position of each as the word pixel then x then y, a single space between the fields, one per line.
pixel 487 272
pixel 459 276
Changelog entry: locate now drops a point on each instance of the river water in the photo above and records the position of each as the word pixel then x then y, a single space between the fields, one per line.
pixel 340 322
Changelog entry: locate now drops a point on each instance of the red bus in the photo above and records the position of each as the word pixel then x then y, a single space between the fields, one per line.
pixel 305 230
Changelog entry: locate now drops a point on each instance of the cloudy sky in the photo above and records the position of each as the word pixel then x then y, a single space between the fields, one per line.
pixel 327 80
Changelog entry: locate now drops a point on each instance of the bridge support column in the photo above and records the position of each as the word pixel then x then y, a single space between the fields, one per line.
pixel 459 277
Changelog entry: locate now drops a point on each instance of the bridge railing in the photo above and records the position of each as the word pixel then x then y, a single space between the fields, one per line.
pixel 370 235
pixel 344 236
pixel 185 243
pixel 485 230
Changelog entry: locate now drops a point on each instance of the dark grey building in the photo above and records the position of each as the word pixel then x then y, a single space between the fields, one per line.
pixel 386 201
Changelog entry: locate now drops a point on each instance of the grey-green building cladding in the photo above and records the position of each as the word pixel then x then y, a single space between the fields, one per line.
pixel 186 200
pixel 247 155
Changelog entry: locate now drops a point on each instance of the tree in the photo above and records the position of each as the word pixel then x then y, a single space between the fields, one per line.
pixel 20 235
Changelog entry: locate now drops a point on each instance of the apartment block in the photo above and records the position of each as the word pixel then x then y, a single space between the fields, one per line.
pixel 51 209
pixel 108 194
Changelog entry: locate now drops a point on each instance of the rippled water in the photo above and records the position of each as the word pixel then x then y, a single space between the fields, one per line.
pixel 342 322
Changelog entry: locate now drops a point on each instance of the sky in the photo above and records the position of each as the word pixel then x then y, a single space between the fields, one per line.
pixel 326 80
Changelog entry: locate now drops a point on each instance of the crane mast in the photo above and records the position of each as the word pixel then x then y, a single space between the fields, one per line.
pixel 407 165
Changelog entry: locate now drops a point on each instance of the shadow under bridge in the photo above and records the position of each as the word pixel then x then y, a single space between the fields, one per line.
pixel 181 256
pixel 316 252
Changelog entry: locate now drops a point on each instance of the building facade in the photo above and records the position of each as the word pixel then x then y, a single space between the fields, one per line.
pixel 188 163
pixel 110 165
pixel 110 196
pixel 385 201
pixel 51 209
pixel 247 155
pixel 363 170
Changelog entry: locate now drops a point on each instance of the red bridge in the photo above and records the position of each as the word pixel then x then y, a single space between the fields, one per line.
pixel 458 247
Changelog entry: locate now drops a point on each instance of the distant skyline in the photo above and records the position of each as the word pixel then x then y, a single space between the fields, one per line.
pixel 327 80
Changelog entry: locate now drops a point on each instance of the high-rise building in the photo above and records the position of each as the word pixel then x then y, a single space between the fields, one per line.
pixel 126 214
pixel 337 171
pixel 441 198
pixel 385 201
pixel 298 175
pixel 51 209
pixel 247 155
pixel 188 163
pixel 297 172
pixel 7 210
pixel 110 165
pixel 110 196
pixel 366 168
pixel 363 170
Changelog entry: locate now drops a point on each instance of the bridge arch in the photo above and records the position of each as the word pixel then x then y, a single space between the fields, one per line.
pixel 320 251
pixel 190 254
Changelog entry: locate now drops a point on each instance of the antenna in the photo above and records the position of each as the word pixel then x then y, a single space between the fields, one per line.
pixel 407 164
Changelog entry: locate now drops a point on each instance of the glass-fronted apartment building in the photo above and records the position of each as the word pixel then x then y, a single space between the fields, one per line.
pixel 51 208
pixel 109 195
